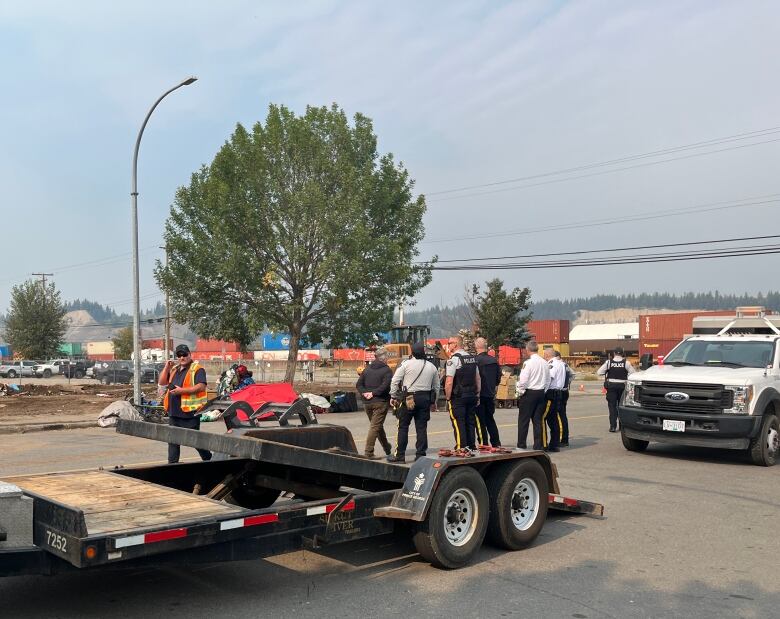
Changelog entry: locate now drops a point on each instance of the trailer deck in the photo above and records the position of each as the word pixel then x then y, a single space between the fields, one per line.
pixel 112 503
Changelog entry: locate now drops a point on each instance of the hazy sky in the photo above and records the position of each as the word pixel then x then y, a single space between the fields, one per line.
pixel 464 93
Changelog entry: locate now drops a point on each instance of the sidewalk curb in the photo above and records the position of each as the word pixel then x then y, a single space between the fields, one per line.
pixel 45 427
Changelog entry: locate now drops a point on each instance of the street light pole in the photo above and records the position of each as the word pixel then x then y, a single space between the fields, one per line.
pixel 134 216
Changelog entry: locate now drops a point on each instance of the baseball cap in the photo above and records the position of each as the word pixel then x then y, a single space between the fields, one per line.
pixel 183 348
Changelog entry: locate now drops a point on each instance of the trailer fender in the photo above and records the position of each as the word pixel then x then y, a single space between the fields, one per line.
pixel 412 502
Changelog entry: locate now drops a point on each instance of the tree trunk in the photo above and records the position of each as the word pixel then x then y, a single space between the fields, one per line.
pixel 292 357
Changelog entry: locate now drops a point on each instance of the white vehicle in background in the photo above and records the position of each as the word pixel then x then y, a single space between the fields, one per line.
pixel 13 369
pixel 718 388
pixel 51 368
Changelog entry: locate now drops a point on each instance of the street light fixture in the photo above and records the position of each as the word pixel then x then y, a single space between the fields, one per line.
pixel 134 213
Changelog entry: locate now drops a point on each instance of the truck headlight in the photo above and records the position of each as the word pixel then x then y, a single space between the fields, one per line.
pixel 741 400
pixel 631 393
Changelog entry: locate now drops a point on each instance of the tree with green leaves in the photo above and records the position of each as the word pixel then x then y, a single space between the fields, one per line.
pixel 123 343
pixel 500 315
pixel 35 324
pixel 299 225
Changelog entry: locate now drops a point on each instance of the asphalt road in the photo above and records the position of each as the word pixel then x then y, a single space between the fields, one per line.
pixel 687 532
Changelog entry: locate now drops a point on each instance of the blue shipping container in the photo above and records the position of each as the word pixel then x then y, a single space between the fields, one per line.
pixel 5 351
pixel 281 341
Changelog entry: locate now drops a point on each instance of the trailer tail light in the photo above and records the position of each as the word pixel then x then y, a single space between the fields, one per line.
pixel 90 553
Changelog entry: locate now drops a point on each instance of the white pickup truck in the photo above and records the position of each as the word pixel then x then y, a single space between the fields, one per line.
pixel 717 388
pixel 50 368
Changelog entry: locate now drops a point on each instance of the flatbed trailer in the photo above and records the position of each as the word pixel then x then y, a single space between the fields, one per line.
pixel 277 490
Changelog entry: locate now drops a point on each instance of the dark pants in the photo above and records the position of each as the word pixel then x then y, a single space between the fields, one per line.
pixel 463 415
pixel 376 411
pixel 532 405
pixel 421 414
pixel 614 393
pixel 486 424
pixel 551 412
pixel 191 423
pixel 563 416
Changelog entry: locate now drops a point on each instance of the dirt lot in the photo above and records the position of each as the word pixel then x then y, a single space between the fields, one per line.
pixel 53 402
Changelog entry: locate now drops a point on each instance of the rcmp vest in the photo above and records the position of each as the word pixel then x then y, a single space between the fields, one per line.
pixel 616 370
pixel 464 384
pixel 190 402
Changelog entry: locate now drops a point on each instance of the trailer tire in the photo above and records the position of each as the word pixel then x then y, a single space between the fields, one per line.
pixel 632 444
pixel 765 447
pixel 454 530
pixel 518 503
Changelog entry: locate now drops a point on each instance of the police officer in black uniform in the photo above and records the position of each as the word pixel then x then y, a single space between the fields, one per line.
pixel 489 377
pixel 462 388
pixel 615 372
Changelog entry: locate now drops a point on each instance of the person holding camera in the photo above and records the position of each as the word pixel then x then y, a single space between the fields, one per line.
pixel 185 396
pixel 413 393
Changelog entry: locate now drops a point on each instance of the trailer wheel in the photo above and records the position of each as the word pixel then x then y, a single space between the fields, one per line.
pixel 457 520
pixel 633 444
pixel 765 447
pixel 518 503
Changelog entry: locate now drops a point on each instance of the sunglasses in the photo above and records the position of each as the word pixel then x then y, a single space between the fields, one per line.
pixel 182 354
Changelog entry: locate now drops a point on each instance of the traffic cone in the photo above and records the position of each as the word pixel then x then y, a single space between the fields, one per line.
pixel 582 387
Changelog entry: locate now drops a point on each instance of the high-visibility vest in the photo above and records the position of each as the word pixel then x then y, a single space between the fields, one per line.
pixel 190 402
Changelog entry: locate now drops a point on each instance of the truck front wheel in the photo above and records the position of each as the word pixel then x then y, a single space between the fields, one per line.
pixel 518 503
pixel 765 447
pixel 453 532
pixel 632 444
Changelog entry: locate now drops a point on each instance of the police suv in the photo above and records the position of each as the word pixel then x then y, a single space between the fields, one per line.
pixel 718 388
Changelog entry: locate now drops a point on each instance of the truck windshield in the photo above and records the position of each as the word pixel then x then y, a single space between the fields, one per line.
pixel 729 353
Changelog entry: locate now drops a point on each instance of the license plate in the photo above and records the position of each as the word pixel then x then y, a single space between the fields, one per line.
pixel 674 426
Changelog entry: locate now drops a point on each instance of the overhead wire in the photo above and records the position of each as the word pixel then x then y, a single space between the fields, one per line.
pixel 616 249
pixel 611 162
pixel 762 200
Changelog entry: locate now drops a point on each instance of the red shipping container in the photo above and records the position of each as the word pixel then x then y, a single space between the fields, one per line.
pixel 657 348
pixel 672 326
pixel 158 342
pixel 349 354
pixel 216 346
pixel 549 331
pixel 508 355
pixel 108 357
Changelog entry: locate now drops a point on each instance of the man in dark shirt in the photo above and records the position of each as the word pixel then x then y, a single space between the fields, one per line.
pixel 174 377
pixel 373 385
pixel 490 376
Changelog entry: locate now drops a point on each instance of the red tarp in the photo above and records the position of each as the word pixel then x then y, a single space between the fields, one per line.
pixel 258 394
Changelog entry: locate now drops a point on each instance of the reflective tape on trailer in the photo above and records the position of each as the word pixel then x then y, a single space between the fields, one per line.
pixel 150 538
pixel 249 521
pixel 557 498
pixel 326 509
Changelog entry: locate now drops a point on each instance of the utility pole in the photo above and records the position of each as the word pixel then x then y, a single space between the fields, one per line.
pixel 43 277
pixel 167 345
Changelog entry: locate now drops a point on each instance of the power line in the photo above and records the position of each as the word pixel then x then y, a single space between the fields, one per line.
pixel 620 260
pixel 702 144
pixel 590 223
pixel 615 249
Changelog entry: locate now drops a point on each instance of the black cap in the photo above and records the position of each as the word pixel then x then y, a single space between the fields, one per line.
pixel 418 350
pixel 619 350
pixel 183 348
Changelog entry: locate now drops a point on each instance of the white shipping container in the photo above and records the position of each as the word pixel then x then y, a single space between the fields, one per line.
pixel 100 348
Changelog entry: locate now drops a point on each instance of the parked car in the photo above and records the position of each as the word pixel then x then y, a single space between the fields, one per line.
pixel 78 369
pixel 48 369
pixel 110 372
pixel 12 369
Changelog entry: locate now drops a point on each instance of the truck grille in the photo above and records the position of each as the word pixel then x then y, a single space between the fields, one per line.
pixel 706 399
